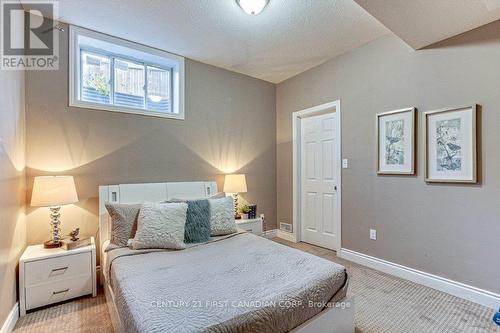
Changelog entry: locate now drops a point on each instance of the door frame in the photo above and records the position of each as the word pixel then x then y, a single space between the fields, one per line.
pixel 296 132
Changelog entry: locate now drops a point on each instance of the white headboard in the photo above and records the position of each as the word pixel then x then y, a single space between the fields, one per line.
pixel 138 193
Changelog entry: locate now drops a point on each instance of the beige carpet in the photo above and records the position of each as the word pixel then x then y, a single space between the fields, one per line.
pixel 86 314
pixel 383 303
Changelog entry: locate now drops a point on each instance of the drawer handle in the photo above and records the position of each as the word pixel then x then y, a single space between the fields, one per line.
pixel 60 269
pixel 60 292
pixel 249 230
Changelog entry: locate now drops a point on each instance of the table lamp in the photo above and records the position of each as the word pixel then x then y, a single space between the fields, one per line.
pixel 234 184
pixel 53 192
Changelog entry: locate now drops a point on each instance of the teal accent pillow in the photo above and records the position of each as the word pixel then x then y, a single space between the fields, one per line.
pixel 197 228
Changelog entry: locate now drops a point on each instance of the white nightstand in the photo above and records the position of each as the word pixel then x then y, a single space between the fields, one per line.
pixel 48 276
pixel 252 225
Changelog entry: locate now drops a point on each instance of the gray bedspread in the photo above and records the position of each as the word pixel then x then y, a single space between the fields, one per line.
pixel 242 283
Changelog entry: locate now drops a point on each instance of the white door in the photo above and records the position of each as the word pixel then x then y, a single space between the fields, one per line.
pixel 319 181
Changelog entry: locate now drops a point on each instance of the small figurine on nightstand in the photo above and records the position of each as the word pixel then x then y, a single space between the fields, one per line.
pixel 74 234
pixel 75 241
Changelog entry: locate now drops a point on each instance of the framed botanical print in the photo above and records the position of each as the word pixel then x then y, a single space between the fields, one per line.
pixel 450 145
pixel 396 142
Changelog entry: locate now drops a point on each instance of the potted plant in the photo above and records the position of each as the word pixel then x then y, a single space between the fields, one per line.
pixel 244 210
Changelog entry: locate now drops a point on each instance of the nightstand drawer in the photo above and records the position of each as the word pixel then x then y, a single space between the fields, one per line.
pixel 58 268
pixel 58 291
pixel 254 226
pixel 253 229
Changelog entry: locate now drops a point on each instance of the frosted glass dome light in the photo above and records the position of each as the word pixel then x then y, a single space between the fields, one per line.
pixel 252 7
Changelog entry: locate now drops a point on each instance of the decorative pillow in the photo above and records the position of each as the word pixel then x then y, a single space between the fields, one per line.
pixel 197 222
pixel 161 226
pixel 123 222
pixel 222 216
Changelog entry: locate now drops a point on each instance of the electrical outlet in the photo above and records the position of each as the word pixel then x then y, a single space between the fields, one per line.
pixel 373 234
pixel 262 217
pixel 345 163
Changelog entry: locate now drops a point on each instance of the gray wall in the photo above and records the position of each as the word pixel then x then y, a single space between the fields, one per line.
pixel 12 185
pixel 229 127
pixel 449 230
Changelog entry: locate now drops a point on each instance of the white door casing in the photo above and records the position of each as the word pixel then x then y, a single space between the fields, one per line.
pixel 319 180
pixel 317 175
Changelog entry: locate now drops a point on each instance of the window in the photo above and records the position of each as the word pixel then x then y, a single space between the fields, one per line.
pixel 129 87
pixel 108 73
pixel 95 78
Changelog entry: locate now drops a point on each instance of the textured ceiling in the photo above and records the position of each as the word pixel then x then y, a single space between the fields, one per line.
pixel 424 22
pixel 287 38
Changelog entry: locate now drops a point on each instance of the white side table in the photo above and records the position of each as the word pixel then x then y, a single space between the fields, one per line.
pixel 49 276
pixel 251 225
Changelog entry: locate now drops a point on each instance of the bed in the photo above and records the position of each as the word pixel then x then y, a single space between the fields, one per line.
pixel 235 283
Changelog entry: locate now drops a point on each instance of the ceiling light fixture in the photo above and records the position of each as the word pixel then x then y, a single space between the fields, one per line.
pixel 155 98
pixel 252 7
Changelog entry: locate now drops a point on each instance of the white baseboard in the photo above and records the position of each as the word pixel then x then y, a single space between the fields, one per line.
pixel 11 320
pixel 269 233
pixel 286 235
pixel 477 295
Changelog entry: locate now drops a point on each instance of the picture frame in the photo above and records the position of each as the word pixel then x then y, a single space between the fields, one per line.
pixel 451 145
pixel 396 142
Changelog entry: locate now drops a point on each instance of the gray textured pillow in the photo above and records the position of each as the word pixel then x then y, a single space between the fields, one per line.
pixel 197 228
pixel 222 216
pixel 123 222
pixel 160 226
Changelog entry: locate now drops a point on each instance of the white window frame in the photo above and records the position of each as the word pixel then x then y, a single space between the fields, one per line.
pixel 175 62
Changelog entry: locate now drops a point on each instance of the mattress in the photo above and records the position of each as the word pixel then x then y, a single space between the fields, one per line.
pixel 242 283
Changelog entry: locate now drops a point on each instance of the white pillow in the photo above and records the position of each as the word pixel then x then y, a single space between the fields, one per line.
pixel 222 216
pixel 160 226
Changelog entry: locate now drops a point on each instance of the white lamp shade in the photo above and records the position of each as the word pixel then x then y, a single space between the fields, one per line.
pixel 53 191
pixel 235 183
